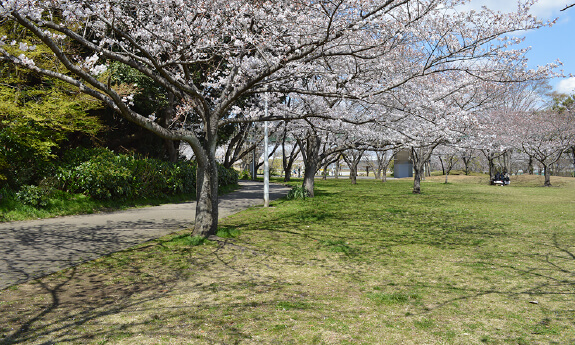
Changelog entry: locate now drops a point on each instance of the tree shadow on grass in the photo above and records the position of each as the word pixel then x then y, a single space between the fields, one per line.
pixel 544 282
pixel 75 305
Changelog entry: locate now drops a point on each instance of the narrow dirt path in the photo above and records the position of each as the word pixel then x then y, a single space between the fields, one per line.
pixel 32 249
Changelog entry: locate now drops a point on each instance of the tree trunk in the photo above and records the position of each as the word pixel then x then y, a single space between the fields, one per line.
pixel 547 175
pixel 417 178
pixel 288 160
pixel 206 223
pixel 384 172
pixel 419 157
pixel 442 166
pixel 466 163
pixel 490 160
pixel 337 166
pixel 310 154
pixel 353 173
pixel 450 162
pixel 325 172
pixel 507 161
pixel 254 165
pixel 352 158
pixel 287 174
pixel 309 180
pixel 382 165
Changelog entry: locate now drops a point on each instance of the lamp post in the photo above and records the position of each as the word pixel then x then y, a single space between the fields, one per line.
pixel 266 161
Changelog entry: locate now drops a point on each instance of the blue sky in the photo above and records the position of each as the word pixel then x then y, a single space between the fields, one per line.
pixel 547 44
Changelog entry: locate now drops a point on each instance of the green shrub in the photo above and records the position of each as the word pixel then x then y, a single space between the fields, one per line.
pixel 245 175
pixel 104 176
pixel 297 192
pixel 99 178
pixel 34 195
pixel 227 177
pixel 127 177
pixel 76 156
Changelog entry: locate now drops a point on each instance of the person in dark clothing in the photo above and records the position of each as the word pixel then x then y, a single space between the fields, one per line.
pixel 506 178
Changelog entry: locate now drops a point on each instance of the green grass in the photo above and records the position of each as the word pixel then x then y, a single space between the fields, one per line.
pixel 462 263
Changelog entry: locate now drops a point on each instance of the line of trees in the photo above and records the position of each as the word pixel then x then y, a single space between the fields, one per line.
pixel 339 74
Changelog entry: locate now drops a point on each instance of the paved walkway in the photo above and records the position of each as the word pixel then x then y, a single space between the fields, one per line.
pixel 32 249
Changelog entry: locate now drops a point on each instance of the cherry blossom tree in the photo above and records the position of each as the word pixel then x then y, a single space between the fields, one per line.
pixel 352 157
pixel 316 152
pixel 565 104
pixel 379 158
pixel 494 138
pixel 290 150
pixel 448 156
pixel 212 56
pixel 543 135
pixel 440 112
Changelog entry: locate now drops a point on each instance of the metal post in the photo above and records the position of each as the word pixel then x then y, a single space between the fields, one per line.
pixel 266 161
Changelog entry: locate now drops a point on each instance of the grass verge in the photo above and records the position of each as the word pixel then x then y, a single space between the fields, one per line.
pixel 463 263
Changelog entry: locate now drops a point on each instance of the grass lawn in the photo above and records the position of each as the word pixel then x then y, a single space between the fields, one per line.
pixel 462 263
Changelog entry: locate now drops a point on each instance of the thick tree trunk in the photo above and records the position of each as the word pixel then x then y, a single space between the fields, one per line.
pixel 310 154
pixel 450 162
pixel 507 161
pixel 547 176
pixel 337 166
pixel 490 160
pixel 353 173
pixel 206 223
pixel 309 180
pixel 287 174
pixel 417 179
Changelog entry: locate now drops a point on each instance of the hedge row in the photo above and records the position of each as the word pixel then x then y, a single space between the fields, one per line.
pixel 104 175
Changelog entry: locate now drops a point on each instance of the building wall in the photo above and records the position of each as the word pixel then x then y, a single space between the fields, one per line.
pixel 402 165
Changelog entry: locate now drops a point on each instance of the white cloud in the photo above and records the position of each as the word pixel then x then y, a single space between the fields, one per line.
pixel 566 86
pixel 544 9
